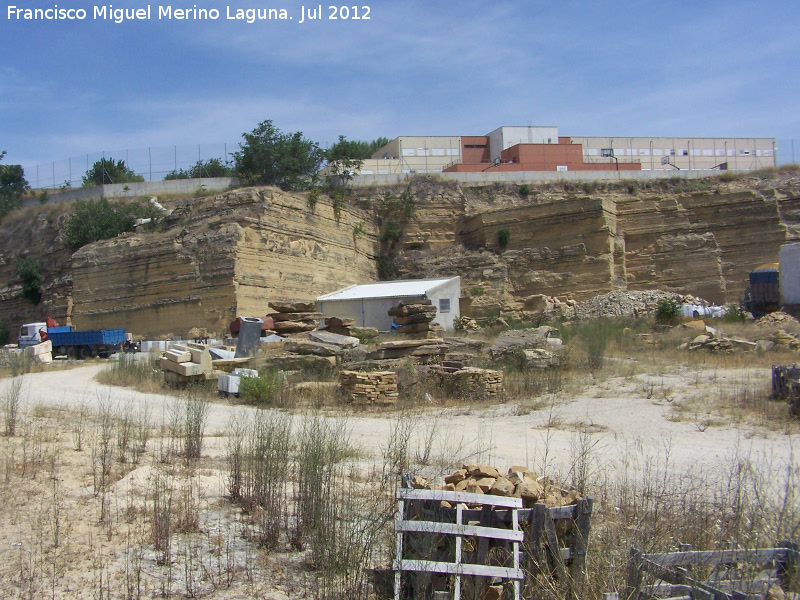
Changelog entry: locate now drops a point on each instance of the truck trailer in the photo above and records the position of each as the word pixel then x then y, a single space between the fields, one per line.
pixel 74 344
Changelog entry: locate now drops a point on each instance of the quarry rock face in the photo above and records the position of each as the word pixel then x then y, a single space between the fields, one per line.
pixel 219 258
pixel 215 258
pixel 575 248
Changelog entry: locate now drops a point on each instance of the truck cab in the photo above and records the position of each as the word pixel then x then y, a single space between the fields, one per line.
pixel 29 334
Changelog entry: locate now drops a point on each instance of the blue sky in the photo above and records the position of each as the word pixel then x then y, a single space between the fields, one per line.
pixel 68 88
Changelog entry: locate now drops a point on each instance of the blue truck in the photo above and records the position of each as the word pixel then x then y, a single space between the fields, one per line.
pixel 75 344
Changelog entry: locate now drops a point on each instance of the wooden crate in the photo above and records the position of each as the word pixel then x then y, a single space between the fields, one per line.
pixel 555 539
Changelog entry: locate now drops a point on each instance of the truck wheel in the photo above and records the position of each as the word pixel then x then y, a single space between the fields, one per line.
pixel 86 352
pixel 63 350
pixel 71 352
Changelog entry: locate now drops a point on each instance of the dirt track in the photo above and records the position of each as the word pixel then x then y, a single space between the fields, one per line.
pixel 619 422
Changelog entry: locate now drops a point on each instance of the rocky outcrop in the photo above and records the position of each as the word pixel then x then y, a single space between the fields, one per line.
pixel 218 258
pixel 214 258
pixel 576 247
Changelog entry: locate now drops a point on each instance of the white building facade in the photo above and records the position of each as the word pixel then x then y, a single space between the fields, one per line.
pixel 368 304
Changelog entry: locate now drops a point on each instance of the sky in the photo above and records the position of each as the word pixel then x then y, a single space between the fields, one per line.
pixel 74 88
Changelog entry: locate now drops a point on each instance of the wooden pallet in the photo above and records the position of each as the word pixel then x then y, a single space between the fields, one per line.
pixel 712 575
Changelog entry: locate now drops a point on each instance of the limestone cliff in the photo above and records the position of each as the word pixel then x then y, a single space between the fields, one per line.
pixel 217 257
pixel 210 260
pixel 575 245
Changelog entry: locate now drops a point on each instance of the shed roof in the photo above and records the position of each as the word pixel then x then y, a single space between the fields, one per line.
pixel 388 289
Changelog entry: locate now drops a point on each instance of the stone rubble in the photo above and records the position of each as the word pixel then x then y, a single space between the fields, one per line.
pixel 518 482
pixel 629 303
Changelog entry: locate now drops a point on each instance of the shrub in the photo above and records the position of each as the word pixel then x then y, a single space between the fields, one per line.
pixel 387 270
pixel 3 334
pixel 734 315
pixel 313 197
pixel 93 220
pixel 667 311
pixel 29 271
pixel 524 190
pixel 109 171
pixel 264 390
pixel 503 237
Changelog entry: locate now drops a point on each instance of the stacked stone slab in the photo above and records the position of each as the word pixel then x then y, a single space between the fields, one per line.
pixel 41 353
pixel 415 319
pixel 369 387
pixel 416 348
pixel 470 381
pixel 339 326
pixel 187 361
pixel 294 317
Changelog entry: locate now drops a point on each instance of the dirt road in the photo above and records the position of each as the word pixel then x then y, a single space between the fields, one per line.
pixel 609 422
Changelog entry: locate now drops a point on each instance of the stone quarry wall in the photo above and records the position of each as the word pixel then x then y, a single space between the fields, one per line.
pixel 218 257
pixel 576 247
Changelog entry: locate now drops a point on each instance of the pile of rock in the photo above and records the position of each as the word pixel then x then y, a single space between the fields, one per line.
pixel 629 303
pixel 711 340
pixel 434 347
pixel 339 326
pixel 415 319
pixel 519 482
pixel 777 318
pixel 371 387
pixel 469 381
pixel 540 306
pixel 321 343
pixel 511 342
pixel 783 342
pixel 294 317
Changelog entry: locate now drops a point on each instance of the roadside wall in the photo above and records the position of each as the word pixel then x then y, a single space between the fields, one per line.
pixel 488 177
pixel 142 188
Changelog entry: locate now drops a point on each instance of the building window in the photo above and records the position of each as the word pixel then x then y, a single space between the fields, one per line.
pixel 444 305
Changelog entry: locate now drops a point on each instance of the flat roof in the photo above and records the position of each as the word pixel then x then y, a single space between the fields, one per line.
pixel 388 289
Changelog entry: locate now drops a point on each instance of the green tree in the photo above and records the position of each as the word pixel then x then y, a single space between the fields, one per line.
pixel 12 186
pixel 268 156
pixel 343 163
pixel 355 149
pixel 29 271
pixel 93 220
pixel 107 170
pixel 213 167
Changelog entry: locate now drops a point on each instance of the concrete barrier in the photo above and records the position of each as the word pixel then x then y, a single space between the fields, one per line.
pixel 488 178
pixel 140 188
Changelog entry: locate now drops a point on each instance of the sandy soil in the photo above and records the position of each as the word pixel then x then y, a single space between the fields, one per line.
pixel 106 544
pixel 615 412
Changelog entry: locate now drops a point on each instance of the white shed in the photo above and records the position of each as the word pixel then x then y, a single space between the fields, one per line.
pixel 368 303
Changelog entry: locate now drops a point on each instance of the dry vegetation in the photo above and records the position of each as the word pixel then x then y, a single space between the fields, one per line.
pixel 110 498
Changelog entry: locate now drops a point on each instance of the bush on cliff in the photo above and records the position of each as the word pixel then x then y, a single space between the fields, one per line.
pixel 93 220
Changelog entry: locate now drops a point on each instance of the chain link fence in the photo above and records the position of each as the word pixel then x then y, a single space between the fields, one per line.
pixel 156 162
pixel 152 163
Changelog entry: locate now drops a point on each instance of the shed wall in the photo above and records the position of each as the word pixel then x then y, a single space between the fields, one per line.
pixel 789 279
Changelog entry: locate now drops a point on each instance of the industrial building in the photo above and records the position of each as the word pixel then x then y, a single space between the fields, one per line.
pixel 368 304
pixel 541 148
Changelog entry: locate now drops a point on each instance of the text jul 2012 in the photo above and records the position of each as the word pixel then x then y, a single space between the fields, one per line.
pixel 168 12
